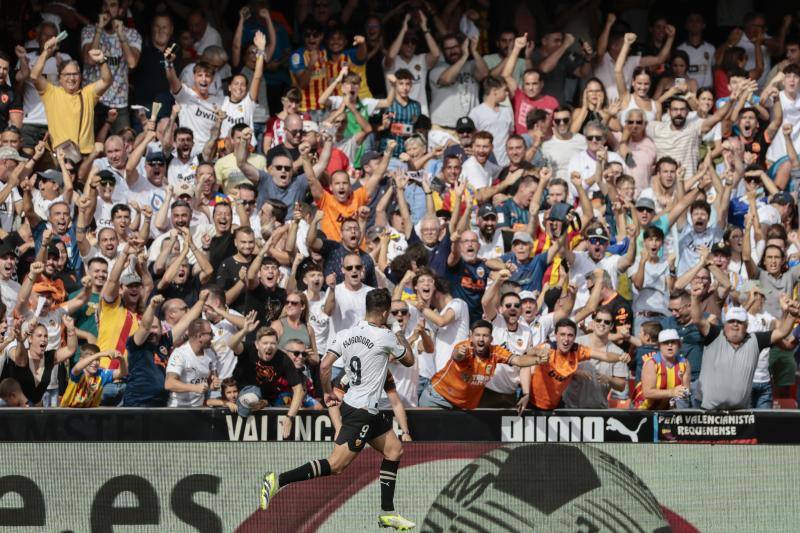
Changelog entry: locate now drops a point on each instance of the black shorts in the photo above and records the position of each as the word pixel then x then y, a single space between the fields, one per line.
pixel 359 426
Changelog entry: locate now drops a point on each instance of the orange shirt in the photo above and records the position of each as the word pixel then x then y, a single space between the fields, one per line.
pixel 335 211
pixel 462 382
pixel 551 379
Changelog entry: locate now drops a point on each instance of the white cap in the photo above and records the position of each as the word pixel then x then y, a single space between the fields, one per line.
pixel 310 125
pixel 668 335
pixel 526 295
pixel 736 313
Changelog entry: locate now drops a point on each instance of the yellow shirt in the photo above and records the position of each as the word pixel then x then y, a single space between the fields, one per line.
pixel 70 117
pixel 115 324
pixel 228 174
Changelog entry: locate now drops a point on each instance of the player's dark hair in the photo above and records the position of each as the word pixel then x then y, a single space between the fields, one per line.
pixel 97 259
pixel 279 209
pixel 653 231
pixel 183 130
pixel 404 74
pixel 378 301
pixel 481 323
pixel 227 383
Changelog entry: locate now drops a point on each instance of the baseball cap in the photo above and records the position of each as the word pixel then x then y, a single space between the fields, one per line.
pixel 465 124
pixel 9 152
pixel 183 189
pixel 646 203
pixel 369 155
pixel 52 175
pixel 7 247
pixel 486 210
pixel 526 295
pixel 668 335
pixel 152 157
pixel 310 125
pixel 782 198
pixel 456 150
pixel 720 248
pixel 522 236
pixel 52 249
pixel 598 233
pixel 131 278
pixel 373 233
pixel 559 212
pixel 736 313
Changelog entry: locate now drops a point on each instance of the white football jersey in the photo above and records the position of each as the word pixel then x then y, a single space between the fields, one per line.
pixel 366 350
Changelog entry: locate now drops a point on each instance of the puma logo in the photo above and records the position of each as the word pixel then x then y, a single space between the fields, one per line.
pixel 612 424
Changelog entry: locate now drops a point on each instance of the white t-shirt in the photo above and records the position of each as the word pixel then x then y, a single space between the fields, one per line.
pixel 491 249
pixel 190 369
pixel 179 172
pixel 9 293
pixel 560 152
pixel 654 294
pixel 791 115
pixel 584 265
pixel 541 328
pixel 750 50
pixel 586 165
pixel 506 377
pixel 701 62
pixel 7 210
pixel 320 323
pixel 451 334
pixel 365 351
pixel 499 123
pixel 406 378
pixel 237 113
pixel 216 88
pixel 480 176
pixel 451 102
pixel 226 359
pixel 351 307
pixel 755 324
pixel 197 114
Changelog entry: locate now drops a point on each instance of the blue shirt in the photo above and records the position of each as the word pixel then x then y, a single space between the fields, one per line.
pixel 70 241
pixel 526 273
pixel 147 368
pixel 510 214
pixel 468 282
pixel 403 114
pixel 295 192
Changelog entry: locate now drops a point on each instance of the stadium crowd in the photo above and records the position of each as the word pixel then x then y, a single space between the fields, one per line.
pixel 196 198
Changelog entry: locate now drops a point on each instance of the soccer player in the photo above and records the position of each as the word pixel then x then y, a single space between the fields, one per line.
pixel 366 348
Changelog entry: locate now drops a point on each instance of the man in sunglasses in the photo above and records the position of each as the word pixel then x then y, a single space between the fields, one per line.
pixel 597 256
pixel 594 378
pixel 563 145
pixel 585 162
pixel 334 252
pixel 638 150
pixel 504 312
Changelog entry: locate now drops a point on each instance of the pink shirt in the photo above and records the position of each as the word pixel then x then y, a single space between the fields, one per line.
pixel 644 154
pixel 524 105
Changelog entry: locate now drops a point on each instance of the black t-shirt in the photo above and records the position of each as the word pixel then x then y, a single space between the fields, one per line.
pixel 7 103
pixel 24 376
pixel 621 312
pixel 267 303
pixel 149 82
pixel 227 276
pixel 270 376
pixel 189 291
pixel 220 248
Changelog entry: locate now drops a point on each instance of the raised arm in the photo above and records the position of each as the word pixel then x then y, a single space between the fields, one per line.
pixel 110 291
pixel 602 40
pixel 619 67
pixel 169 68
pixel 551 61
pixel 39 81
pixel 141 334
pixel 66 351
pixel 394 48
pixel 508 65
pixel 703 325
pixel 261 44
pixel 448 77
pixel 371 184
pixel 664 53
pixel 194 312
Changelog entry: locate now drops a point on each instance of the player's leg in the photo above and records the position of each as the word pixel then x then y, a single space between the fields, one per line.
pixel 350 440
pixel 392 450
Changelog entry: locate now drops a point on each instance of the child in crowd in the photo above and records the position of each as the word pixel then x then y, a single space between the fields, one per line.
pixel 230 393
pixel 87 379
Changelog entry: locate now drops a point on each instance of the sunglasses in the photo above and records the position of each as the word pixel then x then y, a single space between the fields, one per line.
pixel 283 168
pixel 637 122
pixel 643 209
pixel 293 302
pixel 560 120
pixel 399 312
pixel 351 267
pixel 295 132
pixel 157 164
pixel 603 321
pixel 595 137
pixel 597 240
pixel 248 202
pixel 298 353
pixel 512 306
